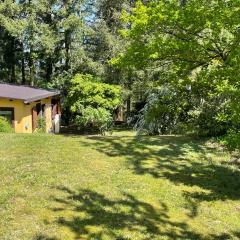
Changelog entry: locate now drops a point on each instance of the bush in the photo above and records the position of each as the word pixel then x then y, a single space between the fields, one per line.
pixel 5 126
pixel 232 140
pixel 160 115
pixel 98 119
pixel 92 103
pixel 85 91
pixel 210 118
pixel 41 125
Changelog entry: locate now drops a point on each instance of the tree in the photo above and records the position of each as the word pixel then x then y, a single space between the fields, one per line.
pixel 193 46
pixel 39 37
pixel 92 102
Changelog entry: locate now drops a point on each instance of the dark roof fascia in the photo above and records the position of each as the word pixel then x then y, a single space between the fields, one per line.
pixel 10 98
pixel 37 98
pixel 28 86
pixel 51 93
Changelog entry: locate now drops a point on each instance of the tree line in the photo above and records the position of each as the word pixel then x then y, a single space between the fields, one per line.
pixel 176 61
pixel 42 40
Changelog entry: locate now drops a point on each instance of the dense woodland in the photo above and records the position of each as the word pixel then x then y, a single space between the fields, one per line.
pixel 43 40
pixel 176 62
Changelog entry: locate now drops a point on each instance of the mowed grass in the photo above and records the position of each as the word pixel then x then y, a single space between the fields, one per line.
pixel 116 187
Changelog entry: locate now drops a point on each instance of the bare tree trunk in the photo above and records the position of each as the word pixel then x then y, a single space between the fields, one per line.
pixel 49 69
pixel 12 74
pixel 23 65
pixel 67 49
pixel 31 70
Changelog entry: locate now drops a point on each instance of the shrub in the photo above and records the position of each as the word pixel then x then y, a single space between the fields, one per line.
pixel 41 125
pixel 92 103
pixel 5 126
pixel 98 119
pixel 210 118
pixel 85 91
pixel 160 114
pixel 232 140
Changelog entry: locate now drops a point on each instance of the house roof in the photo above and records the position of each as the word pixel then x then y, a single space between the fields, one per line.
pixel 25 93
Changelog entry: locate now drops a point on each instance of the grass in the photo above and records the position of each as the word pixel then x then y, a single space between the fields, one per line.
pixel 116 187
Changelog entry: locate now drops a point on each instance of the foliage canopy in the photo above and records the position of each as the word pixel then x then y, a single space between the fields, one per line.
pixel 93 102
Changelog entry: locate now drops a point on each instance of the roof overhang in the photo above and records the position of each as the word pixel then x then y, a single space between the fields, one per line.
pixel 37 98
pixel 26 94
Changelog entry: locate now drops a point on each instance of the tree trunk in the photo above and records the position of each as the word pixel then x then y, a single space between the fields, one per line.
pixel 31 70
pixel 31 61
pixel 128 106
pixel 12 74
pixel 129 86
pixel 23 66
pixel 67 49
pixel 49 69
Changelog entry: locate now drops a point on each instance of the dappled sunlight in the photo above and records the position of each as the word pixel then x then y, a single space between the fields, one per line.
pixel 119 188
pixel 179 159
pixel 94 215
pixel 193 165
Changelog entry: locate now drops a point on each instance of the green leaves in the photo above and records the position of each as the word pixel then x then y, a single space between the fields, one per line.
pixel 87 91
pixel 5 126
pixel 189 36
pixel 193 48
pixel 93 102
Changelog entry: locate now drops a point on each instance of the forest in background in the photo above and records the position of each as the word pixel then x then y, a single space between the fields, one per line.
pixel 176 61
pixel 41 41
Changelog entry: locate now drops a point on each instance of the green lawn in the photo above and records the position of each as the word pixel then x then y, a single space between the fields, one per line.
pixel 118 187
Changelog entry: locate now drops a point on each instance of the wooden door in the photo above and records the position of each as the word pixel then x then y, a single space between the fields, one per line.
pixel 34 118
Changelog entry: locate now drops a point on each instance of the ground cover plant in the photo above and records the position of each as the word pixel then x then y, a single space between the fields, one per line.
pixel 116 187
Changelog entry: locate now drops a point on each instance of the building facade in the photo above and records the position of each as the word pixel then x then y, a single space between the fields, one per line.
pixel 23 106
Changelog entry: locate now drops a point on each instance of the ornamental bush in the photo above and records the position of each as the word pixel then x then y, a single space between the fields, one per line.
pixel 96 118
pixel 92 102
pixel 5 126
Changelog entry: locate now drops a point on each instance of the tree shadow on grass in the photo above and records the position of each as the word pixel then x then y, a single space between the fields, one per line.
pixel 168 157
pixel 91 215
pixel 182 160
pixel 94 216
pixel 43 237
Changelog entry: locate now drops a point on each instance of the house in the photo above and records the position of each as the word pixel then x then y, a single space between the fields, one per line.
pixel 24 105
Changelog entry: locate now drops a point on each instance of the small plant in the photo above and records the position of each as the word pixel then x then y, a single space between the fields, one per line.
pixel 41 125
pixel 5 126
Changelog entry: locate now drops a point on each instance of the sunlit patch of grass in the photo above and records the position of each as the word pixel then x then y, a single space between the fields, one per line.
pixel 116 187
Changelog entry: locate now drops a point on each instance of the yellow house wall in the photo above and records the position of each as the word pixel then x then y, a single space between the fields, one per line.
pixel 23 114
pixel 48 118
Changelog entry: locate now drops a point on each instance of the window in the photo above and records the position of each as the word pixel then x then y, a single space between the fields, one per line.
pixel 8 113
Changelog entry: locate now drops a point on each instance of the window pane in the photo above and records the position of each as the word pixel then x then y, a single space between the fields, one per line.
pixel 7 115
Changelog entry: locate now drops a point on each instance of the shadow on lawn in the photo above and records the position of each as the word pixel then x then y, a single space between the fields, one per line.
pixel 94 216
pixel 44 237
pixel 91 215
pixel 167 157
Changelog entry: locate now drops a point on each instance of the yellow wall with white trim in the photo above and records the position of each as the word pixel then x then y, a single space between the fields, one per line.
pixel 23 114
